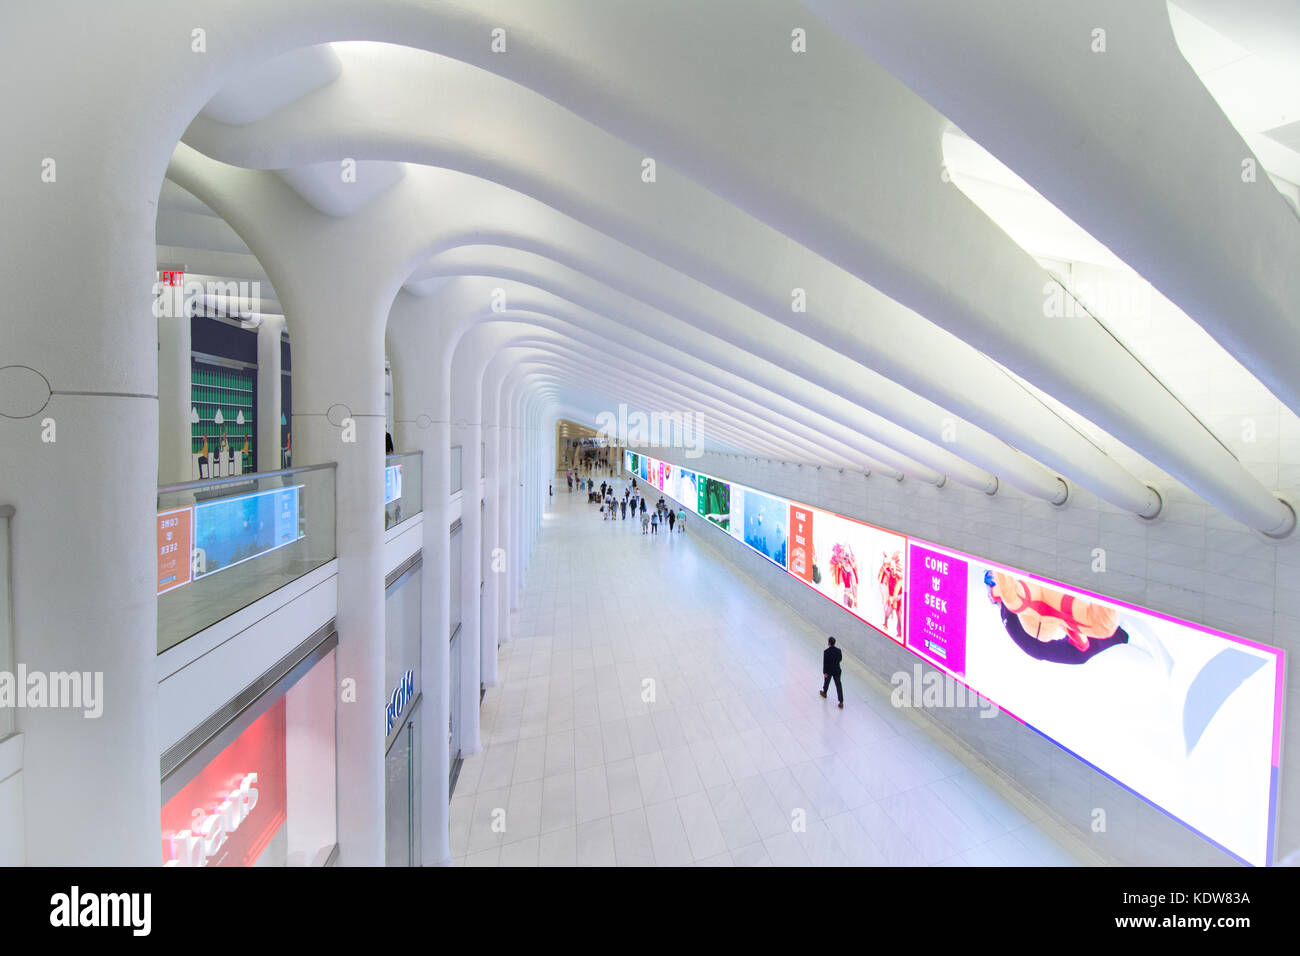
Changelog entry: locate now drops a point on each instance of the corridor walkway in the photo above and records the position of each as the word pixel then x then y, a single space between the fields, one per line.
pixel 734 747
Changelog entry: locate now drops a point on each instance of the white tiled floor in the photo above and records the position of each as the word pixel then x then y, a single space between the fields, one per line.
pixel 734 748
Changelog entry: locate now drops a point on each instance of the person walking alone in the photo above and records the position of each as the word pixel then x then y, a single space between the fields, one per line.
pixel 645 523
pixel 623 506
pixel 831 658
pixel 681 521
pixel 672 520
pixel 654 523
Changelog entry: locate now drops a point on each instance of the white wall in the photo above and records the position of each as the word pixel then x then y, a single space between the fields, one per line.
pixel 12 839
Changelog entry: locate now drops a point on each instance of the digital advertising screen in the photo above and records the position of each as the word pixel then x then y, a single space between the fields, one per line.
pixel 672 481
pixel 229 531
pixel 1186 717
pixel 392 483
pixel 714 501
pixel 175 528
pixel 687 491
pixel 762 522
pixel 860 567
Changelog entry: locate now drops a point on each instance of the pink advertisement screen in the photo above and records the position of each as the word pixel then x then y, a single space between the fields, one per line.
pixel 1182 715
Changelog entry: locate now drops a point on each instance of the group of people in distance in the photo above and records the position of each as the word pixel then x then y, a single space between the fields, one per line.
pixel 614 508
pixel 590 462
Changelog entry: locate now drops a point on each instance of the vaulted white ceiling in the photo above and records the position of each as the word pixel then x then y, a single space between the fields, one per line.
pixel 825 266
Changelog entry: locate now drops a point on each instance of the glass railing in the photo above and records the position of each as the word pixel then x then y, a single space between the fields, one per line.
pixel 403 484
pixel 6 617
pixel 457 479
pixel 244 536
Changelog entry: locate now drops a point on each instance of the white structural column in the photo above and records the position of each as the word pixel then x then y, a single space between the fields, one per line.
pixel 269 385
pixel 467 431
pixel 527 486
pixel 79 422
pixel 496 516
pixel 175 458
pixel 505 494
pixel 331 280
pixel 336 277
pixel 519 519
pixel 490 625
pixel 479 350
pixel 421 410
pixel 339 416
pixel 78 439
pixel 537 469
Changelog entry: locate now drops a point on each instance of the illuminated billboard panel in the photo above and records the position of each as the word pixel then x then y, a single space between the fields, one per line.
pixel 860 567
pixel 1182 715
pixel 762 522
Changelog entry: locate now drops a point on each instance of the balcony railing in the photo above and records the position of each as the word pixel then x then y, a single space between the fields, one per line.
pixel 403 484
pixel 243 537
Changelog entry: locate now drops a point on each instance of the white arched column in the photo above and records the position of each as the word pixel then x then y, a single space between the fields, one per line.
pixel 422 409
pixel 339 416
pixel 467 431
pixel 270 406
pixel 336 279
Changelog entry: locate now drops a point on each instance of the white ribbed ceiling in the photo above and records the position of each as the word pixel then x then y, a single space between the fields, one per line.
pixel 774 173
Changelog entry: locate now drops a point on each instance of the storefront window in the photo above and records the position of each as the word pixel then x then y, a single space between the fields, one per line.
pixel 402 604
pixel 261 793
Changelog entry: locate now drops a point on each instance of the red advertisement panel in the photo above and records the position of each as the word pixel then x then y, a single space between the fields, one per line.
pixel 801 530
pixel 228 814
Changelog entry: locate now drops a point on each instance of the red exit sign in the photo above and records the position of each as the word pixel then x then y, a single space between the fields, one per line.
pixel 172 277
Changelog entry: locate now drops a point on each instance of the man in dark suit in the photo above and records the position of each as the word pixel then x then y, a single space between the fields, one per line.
pixel 831 658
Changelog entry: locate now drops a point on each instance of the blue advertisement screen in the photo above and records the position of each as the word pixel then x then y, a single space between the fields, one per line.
pixel 232 530
pixel 764 522
pixel 392 483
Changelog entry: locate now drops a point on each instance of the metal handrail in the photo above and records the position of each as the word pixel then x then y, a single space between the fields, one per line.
pixel 403 454
pixel 206 483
